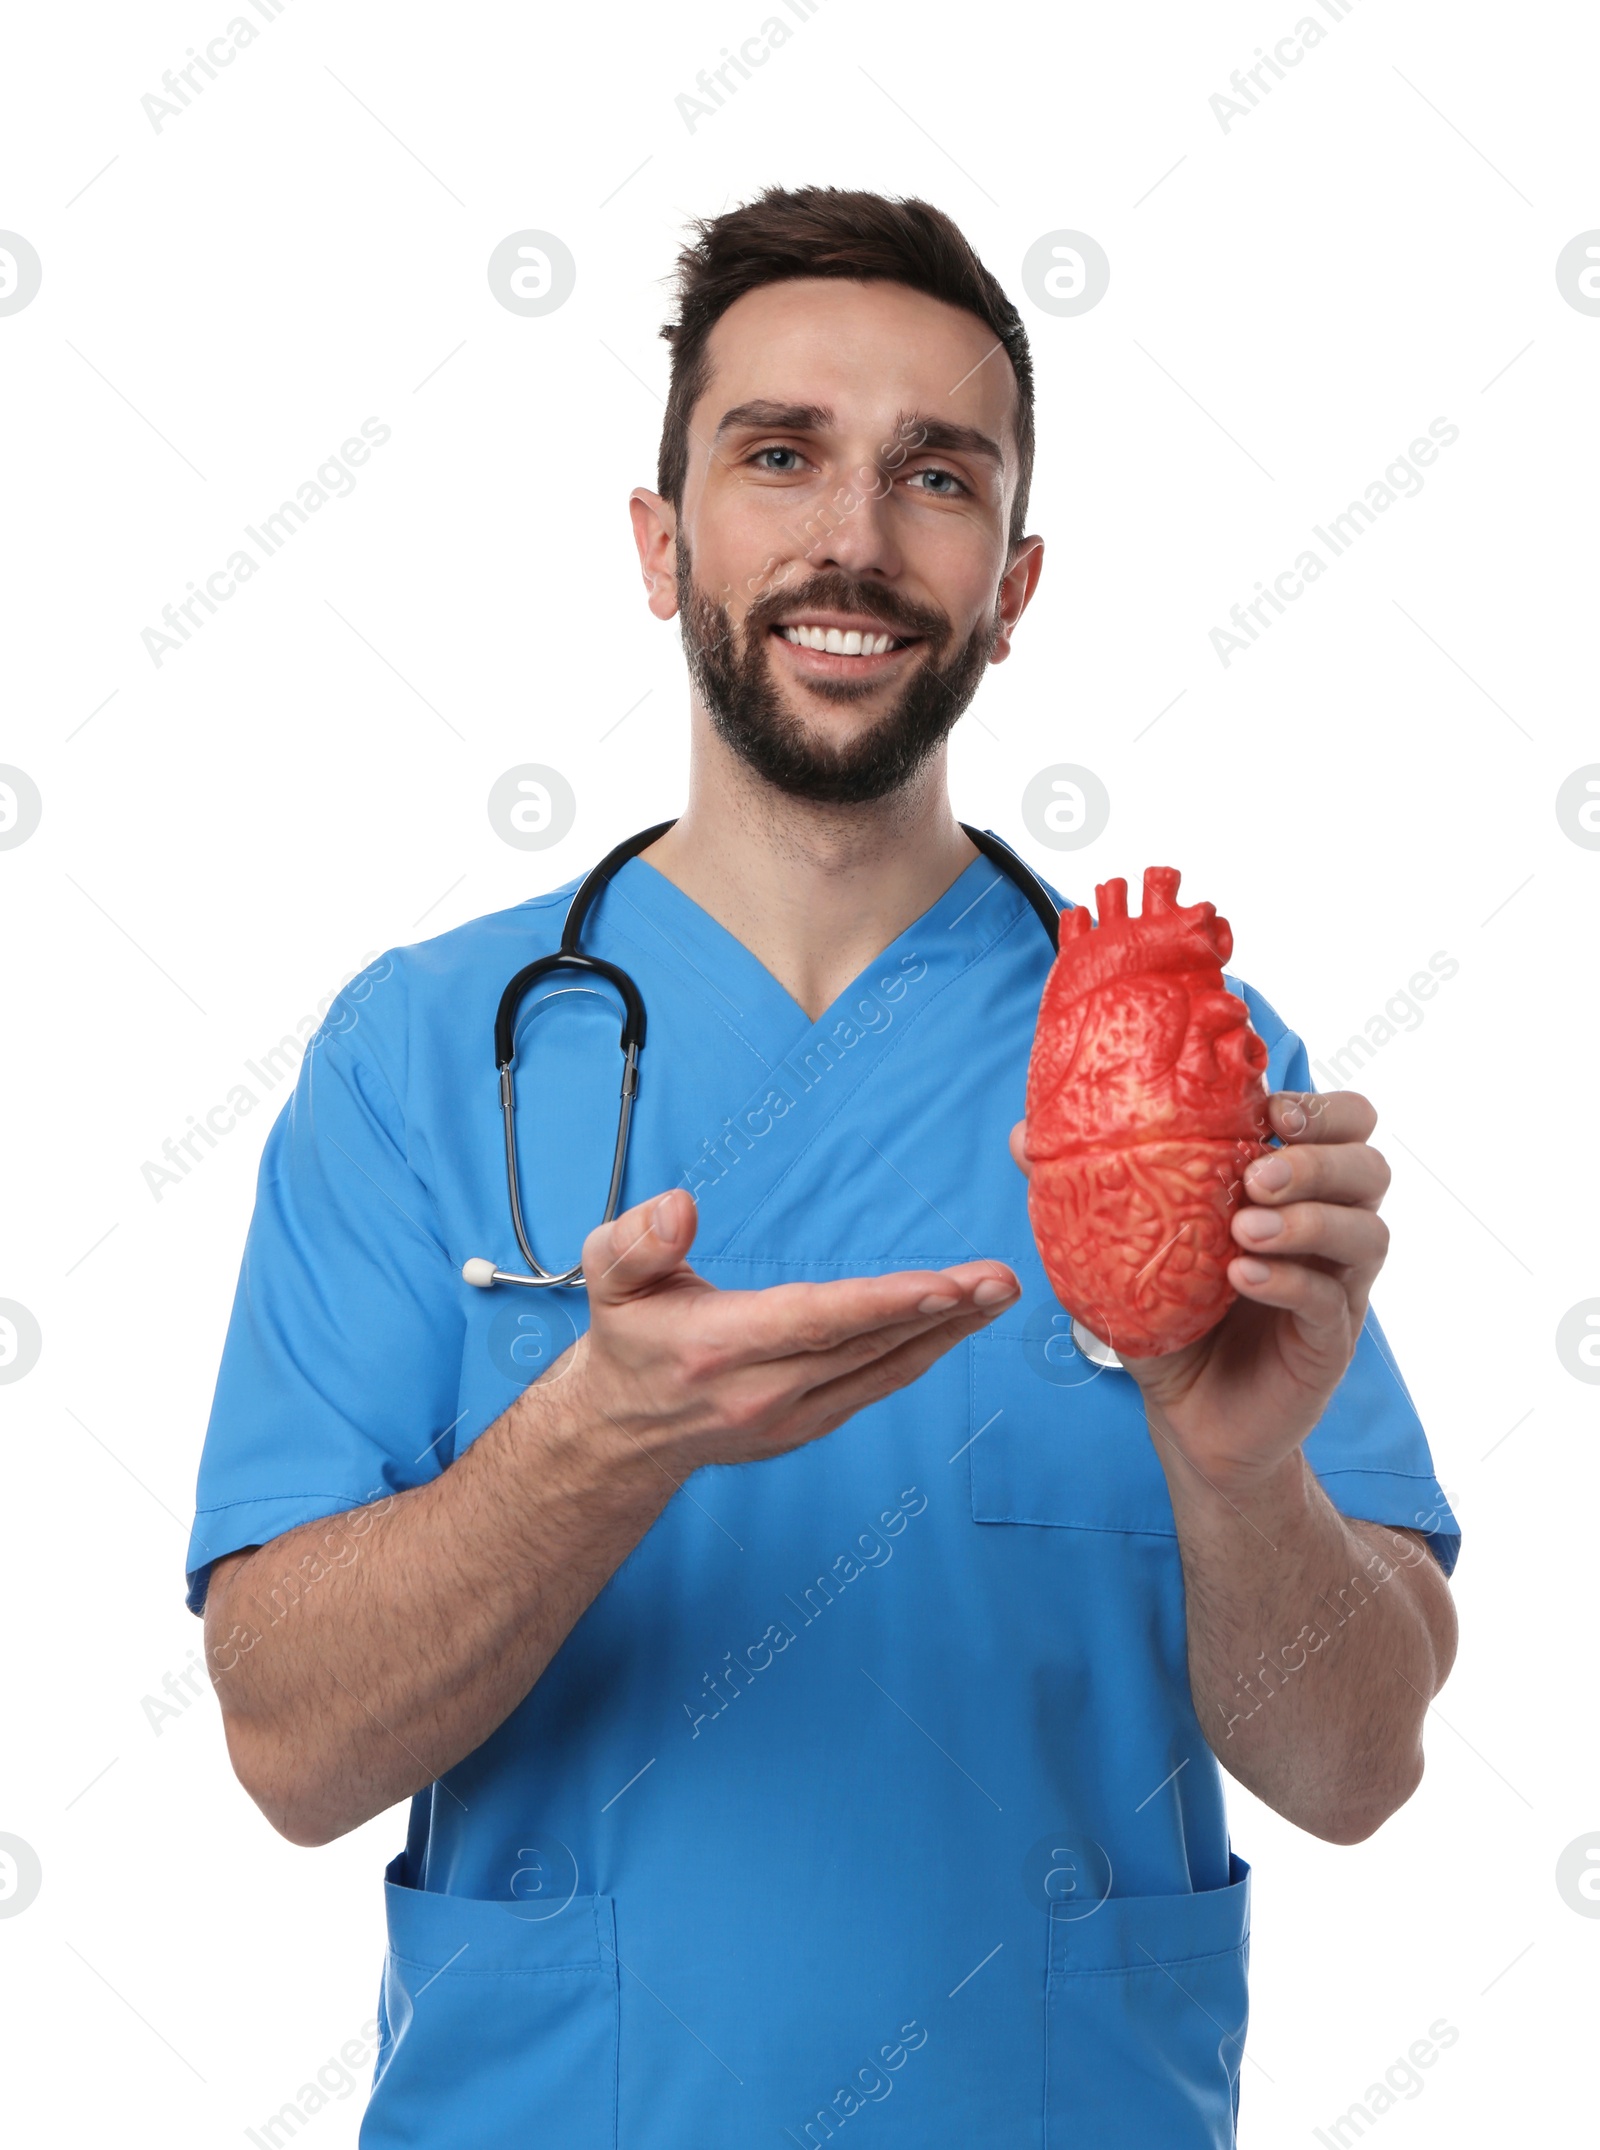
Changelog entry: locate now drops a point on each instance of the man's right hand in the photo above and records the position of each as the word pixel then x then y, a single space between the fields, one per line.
pixel 691 1374
pixel 350 1679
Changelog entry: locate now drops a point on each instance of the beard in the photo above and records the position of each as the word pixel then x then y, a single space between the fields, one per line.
pixel 732 671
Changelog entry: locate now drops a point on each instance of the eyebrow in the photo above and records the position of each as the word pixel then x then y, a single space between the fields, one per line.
pixel 933 433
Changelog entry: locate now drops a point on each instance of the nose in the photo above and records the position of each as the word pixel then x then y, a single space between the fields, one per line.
pixel 854 530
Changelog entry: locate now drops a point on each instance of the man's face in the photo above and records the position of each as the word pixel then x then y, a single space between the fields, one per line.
pixel 840 560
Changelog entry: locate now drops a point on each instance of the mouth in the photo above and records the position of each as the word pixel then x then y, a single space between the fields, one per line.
pixel 834 647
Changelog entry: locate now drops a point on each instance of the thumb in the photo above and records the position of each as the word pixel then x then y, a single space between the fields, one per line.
pixel 639 1248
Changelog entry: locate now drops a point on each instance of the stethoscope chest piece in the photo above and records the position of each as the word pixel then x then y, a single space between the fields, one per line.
pixel 1094 1348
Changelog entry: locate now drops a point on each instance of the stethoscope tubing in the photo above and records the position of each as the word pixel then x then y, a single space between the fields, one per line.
pixel 570 957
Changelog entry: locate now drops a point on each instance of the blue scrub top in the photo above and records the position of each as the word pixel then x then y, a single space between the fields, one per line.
pixel 870 1786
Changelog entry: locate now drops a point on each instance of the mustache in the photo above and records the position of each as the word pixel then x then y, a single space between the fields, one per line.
pixel 894 614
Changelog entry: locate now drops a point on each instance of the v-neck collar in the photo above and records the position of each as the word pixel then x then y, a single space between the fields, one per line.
pixel 716 953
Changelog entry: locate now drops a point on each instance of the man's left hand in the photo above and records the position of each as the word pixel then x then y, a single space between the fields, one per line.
pixel 1241 1399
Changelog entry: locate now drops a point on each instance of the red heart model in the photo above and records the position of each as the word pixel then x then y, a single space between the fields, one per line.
pixel 1146 1101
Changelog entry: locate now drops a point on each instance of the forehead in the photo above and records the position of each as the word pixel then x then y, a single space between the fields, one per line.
pixel 865 351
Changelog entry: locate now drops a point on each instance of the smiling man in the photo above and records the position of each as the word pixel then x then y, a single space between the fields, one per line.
pixel 809 1675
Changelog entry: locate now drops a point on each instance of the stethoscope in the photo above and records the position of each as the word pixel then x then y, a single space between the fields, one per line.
pixel 569 957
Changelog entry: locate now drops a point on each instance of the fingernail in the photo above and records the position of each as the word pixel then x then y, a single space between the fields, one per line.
pixel 1254 1272
pixel 1260 1224
pixel 1293 1117
pixel 936 1303
pixel 1270 1174
pixel 991 1291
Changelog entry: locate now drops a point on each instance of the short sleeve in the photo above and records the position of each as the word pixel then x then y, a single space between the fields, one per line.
pixel 342 1359
pixel 1368 1449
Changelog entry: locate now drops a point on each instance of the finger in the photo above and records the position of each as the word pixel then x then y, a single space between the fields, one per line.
pixel 1019 1148
pixel 1313 1116
pixel 805 1372
pixel 1347 1172
pixel 832 1402
pixel 1324 1319
pixel 772 1388
pixel 788 1320
pixel 1351 1238
pixel 636 1250
pixel 803 1362
pixel 780 1394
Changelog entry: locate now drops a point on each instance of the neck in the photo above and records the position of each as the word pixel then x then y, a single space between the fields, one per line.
pixel 813 891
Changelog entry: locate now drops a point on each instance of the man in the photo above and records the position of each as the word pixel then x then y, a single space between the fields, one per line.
pixel 810 1688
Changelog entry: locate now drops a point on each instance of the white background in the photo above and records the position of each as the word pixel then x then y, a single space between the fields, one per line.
pixel 227 835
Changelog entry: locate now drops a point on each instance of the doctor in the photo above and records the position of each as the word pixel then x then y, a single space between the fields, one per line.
pixel 808 1674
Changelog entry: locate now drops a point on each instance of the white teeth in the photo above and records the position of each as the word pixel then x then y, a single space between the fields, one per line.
pixel 838 643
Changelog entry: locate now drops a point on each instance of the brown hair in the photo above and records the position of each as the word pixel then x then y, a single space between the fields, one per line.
pixel 828 231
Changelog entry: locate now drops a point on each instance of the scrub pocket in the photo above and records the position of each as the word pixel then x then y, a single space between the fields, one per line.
pixel 1055 1439
pixel 1145 2014
pixel 499 2029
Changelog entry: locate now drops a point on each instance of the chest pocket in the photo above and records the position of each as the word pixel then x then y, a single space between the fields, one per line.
pixel 1054 1439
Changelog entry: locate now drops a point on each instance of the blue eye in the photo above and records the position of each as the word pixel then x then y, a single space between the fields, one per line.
pixel 949 477
pixel 763 452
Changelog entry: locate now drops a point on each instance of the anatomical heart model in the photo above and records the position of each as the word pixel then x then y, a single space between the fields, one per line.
pixel 1146 1101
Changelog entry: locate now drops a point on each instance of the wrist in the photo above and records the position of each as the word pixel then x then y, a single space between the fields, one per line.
pixel 582 1448
pixel 1269 1495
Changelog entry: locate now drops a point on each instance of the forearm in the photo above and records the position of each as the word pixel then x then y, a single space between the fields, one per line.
pixel 1315 1644
pixel 359 1658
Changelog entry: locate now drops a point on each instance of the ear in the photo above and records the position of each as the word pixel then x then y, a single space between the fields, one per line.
pixel 655 528
pixel 1017 586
